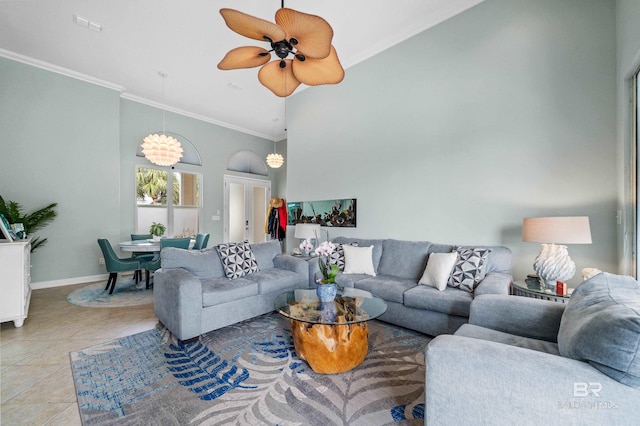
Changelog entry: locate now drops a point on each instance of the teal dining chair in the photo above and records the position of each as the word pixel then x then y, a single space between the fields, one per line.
pixel 140 255
pixel 201 241
pixel 115 264
pixel 154 264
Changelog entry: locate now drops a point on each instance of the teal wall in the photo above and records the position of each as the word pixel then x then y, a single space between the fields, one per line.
pixel 74 143
pixel 503 112
pixel 59 139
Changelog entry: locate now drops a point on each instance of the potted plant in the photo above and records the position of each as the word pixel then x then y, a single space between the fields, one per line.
pixel 31 222
pixel 326 288
pixel 157 231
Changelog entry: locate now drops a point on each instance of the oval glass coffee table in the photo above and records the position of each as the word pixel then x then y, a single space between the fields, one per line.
pixel 332 337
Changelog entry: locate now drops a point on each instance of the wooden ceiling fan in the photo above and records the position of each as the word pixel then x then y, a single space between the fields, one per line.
pixel 300 42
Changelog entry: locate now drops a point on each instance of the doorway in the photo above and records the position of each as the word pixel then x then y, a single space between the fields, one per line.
pixel 246 202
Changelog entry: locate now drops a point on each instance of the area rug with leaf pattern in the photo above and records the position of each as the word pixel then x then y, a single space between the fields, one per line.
pixel 248 374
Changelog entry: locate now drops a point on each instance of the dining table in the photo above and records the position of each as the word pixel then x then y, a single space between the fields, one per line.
pixel 147 246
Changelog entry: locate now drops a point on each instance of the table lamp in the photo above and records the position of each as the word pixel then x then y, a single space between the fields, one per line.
pixel 308 231
pixel 553 262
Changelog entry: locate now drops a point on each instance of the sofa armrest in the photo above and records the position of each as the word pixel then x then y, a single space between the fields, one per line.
pixel 292 263
pixel 476 382
pixel 494 283
pixel 522 316
pixel 177 298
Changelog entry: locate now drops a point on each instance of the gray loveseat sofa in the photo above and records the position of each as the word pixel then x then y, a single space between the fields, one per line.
pixel 399 265
pixel 192 295
pixel 529 361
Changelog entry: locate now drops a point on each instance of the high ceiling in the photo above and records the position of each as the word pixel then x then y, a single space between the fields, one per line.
pixel 186 40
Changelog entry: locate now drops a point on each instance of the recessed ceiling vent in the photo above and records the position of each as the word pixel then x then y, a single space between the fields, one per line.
pixel 87 23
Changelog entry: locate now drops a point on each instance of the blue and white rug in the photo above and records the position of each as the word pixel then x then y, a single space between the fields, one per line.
pixel 126 293
pixel 248 374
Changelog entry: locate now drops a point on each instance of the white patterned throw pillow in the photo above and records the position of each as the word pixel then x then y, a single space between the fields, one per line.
pixel 470 268
pixel 237 259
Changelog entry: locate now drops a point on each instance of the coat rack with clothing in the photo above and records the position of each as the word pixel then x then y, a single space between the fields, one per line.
pixel 276 223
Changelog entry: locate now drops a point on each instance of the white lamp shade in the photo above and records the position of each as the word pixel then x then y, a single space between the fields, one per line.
pixel 557 230
pixel 307 230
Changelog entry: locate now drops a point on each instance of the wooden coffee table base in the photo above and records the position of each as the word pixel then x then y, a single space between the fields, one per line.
pixel 331 349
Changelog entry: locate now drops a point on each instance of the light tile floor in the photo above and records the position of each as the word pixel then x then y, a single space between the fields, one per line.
pixel 36 384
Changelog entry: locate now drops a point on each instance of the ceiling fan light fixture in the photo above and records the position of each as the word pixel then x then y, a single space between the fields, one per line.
pixel 306 37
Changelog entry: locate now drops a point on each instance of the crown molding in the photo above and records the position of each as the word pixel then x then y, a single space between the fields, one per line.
pixel 60 70
pixel 123 92
pixel 198 117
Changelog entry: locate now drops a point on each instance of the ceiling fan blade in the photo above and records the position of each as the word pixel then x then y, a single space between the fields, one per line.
pixel 313 33
pixel 314 72
pixel 244 57
pixel 252 27
pixel 280 81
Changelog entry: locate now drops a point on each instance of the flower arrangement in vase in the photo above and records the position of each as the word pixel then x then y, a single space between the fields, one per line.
pixel 306 246
pixel 326 288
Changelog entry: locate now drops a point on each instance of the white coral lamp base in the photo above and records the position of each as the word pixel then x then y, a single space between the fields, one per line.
pixel 554 264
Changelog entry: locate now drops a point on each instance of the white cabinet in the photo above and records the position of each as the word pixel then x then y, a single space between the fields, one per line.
pixel 15 280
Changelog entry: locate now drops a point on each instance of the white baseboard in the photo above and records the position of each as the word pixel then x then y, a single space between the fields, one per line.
pixel 68 281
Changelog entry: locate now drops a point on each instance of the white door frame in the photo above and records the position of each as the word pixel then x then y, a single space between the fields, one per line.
pixel 249 184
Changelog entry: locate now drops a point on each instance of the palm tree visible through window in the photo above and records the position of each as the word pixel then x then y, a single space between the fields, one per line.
pixel 179 209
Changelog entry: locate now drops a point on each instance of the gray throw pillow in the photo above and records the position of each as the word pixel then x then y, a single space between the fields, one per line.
pixel 601 325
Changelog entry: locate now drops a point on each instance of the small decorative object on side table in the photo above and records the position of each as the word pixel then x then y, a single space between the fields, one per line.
pixel 531 289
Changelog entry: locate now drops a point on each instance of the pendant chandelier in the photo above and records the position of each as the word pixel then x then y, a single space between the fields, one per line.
pixel 306 38
pixel 275 160
pixel 162 149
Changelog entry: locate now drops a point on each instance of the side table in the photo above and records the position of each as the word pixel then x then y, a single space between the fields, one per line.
pixel 520 288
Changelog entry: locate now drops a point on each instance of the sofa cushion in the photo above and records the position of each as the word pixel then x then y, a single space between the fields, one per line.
pixel 601 325
pixel 272 280
pixel 216 291
pixel 404 259
pixel 477 332
pixel 265 252
pixel 349 280
pixel 451 301
pixel 360 242
pixel 470 268
pixel 358 260
pixel 237 259
pixel 438 270
pixel 202 264
pixel 387 287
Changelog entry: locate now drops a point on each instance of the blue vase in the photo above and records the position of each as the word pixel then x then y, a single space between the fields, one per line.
pixel 326 292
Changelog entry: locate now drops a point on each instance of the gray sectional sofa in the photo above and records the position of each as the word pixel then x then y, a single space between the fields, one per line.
pixel 530 361
pixel 399 265
pixel 192 295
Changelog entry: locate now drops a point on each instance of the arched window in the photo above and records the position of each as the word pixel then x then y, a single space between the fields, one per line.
pixel 172 197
